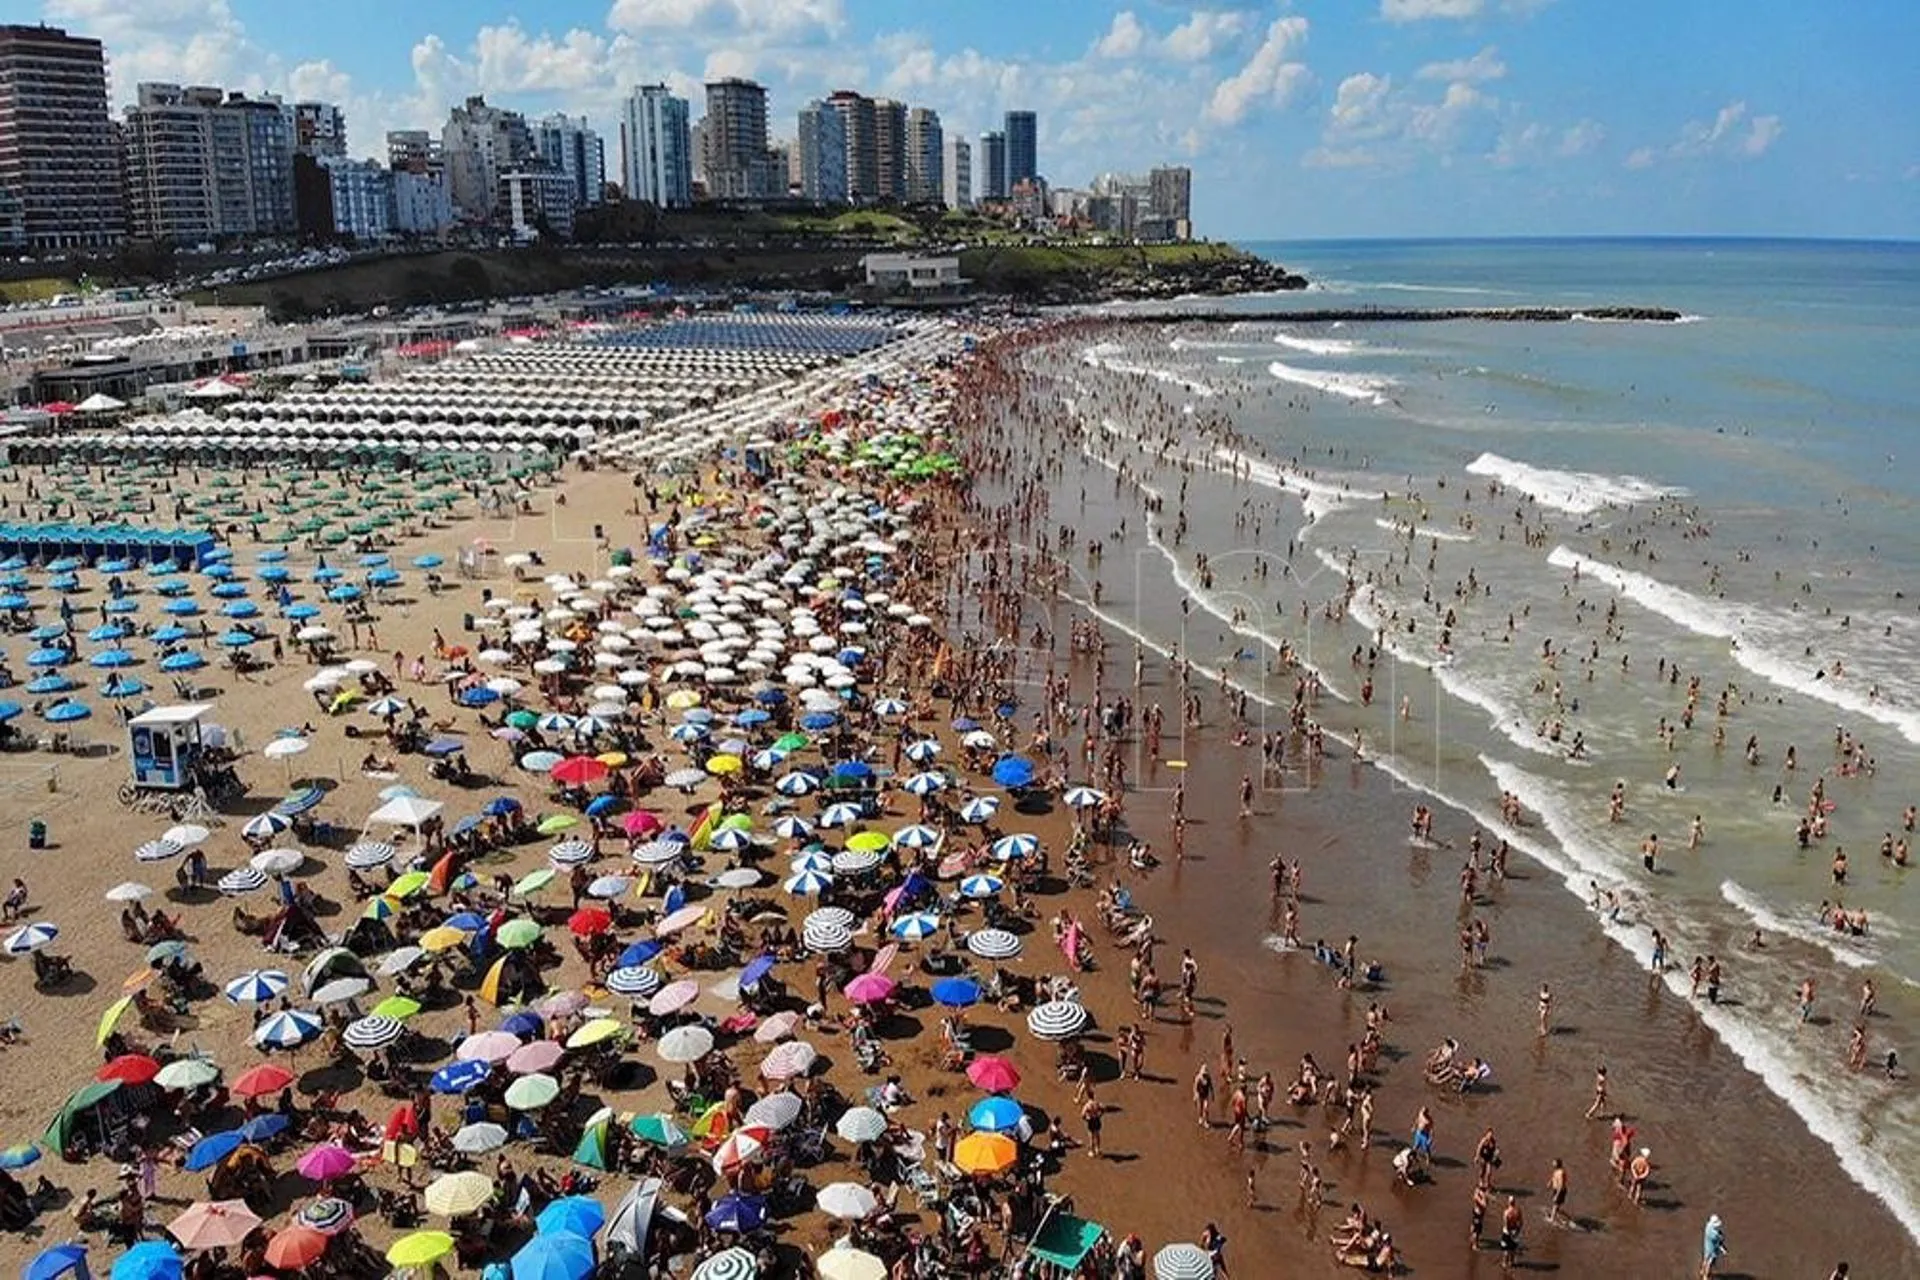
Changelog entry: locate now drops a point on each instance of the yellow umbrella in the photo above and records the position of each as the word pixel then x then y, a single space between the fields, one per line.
pixel 421 1249
pixel 343 699
pixel 868 841
pixel 443 938
pixel 533 881
pixel 490 985
pixel 139 979
pixel 399 1008
pixel 596 1032
pixel 455 1194
pixel 380 908
pixel 110 1017
pixel 681 699
pixel 408 885
pixel 556 822
pixel 612 759
pixel 985 1153
pixel 723 764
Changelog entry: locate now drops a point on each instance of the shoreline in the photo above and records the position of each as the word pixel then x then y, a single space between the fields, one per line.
pixel 1592 961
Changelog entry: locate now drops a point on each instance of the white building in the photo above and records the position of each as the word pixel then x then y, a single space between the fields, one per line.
pixel 362 195
pixel 957 185
pixel 537 202
pixel 901 272
pixel 480 144
pixel 656 150
pixel 422 205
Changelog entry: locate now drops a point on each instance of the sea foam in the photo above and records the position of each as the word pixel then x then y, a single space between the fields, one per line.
pixel 1316 346
pixel 1577 493
pixel 1348 386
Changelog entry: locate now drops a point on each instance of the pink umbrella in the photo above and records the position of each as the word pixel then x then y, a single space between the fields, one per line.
pixel 563 1004
pixel 788 1060
pixel 326 1162
pixel 215 1224
pixel 679 920
pixel 488 1046
pixel 673 997
pixel 541 1055
pixel 777 1027
pixel 640 824
pixel 870 988
pixel 883 958
pixel 742 1147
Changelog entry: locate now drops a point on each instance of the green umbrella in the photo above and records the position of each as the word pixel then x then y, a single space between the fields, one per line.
pixel 532 1092
pixel 791 742
pixel 398 1008
pixel 661 1130
pixel 84 1099
pixel 533 882
pixel 187 1073
pixel 522 719
pixel 517 934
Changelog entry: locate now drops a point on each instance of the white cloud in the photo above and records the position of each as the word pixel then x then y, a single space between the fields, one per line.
pixel 1203 34
pixel 1421 10
pixel 1482 66
pixel 1374 122
pixel 1124 38
pixel 1581 139
pixel 1272 75
pixel 784 19
pixel 511 61
pixel 183 41
pixel 1733 132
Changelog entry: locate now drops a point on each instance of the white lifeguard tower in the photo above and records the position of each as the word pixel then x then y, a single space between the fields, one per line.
pixel 163 744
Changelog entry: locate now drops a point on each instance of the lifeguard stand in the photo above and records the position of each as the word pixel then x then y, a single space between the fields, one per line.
pixel 163 744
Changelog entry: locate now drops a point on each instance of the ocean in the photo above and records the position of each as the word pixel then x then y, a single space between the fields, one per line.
pixel 1555 532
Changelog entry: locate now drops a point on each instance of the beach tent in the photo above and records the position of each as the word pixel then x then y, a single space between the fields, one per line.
pixel 84 1102
pixel 631 1219
pixel 405 811
pixel 99 402
pixel 1065 1240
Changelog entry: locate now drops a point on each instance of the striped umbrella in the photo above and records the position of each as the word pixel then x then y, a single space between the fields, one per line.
pixel 30 938
pixel 742 1147
pixel 853 862
pixel 981 886
pixel 827 937
pixel 808 882
pixel 1057 1020
pixel 830 916
pixel 797 783
pixel 785 1061
pixel 1083 797
pixel 840 815
pixel 776 1111
pixel 157 850
pixel 328 1215
pixel 266 826
pixel 793 827
pixel 925 751
pixel 369 854
pixel 1019 845
pixel 287 1030
pixel 257 986
pixel 243 880
pixel 636 981
pixel 993 944
pixel 917 836
pixel 980 809
pixel 860 1124
pixel 373 1032
pixel 658 853
pixel 570 853
pixel 729 1264
pixel 925 784
pixel 812 860
pixel 673 997
pixel 1182 1262
pixel 916 925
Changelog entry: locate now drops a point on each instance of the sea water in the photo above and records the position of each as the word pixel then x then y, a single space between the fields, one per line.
pixel 1740 489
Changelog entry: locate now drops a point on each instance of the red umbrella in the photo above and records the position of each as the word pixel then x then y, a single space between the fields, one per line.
pixel 403 1123
pixel 258 1082
pixel 995 1075
pixel 641 823
pixel 57 407
pixel 295 1247
pixel 577 771
pixel 742 1147
pixel 588 921
pixel 130 1068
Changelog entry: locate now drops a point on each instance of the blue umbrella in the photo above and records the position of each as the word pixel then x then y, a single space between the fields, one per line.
pixel 48 657
pixel 582 1215
pixel 373 560
pixel 478 696
pixel 1013 771
pixel 10 711
pixel 262 1127
pixel 757 968
pixel 240 609
pixel 212 1149
pixel 444 747
pixel 601 806
pixel 50 684
pixel 123 604
pixel 106 631
pixel 524 1023
pixel 149 1260
pixel 771 697
pixel 219 570
pixel 19 1157
pixel 327 573
pixel 123 687
pixel 965 724
pixel 501 806
pixel 996 1114
pixel 14 600
pixel 229 590
pixel 286 1030
pixel 468 823
pixel 301 612
pixel 48 631
pixel 295 803
pixel 559 1255
pixel 851 771
pixel 56 1262
pixel 815 721
pixel 275 573
pixel 65 582
pixel 182 662
pixel 640 952
pixel 173 586
pixel 274 556
pixel 466 921
pixel 344 592
pixel 112 658
pixel 383 577
pixel 238 639
pixel 68 712
pixel 427 562
pixel 736 1212
pixel 752 716
pixel 458 1077
pixel 956 993
pixel 180 608
pixel 170 633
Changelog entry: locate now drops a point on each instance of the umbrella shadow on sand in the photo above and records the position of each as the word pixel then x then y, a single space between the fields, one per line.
pixel 333 1077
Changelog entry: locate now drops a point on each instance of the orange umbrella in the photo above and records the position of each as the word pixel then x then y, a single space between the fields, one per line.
pixel 295 1247
pixel 139 980
pixel 441 876
pixel 985 1154
pixel 258 1082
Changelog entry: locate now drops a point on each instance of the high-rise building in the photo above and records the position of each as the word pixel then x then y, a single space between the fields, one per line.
pixel 863 160
pixel 422 205
pixel 537 200
pixel 59 151
pixel 656 148
pixel 1023 152
pixel 993 166
pixel 201 164
pixel 735 138
pixel 342 197
pixel 890 149
pixel 1170 193
pixel 822 148
pixel 414 151
pixel 957 187
pixel 567 143
pixel 319 129
pixel 480 143
pixel 926 157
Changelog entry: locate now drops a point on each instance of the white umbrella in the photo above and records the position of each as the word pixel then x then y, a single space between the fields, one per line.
pixel 847 1200
pixel 30 938
pixel 861 1124
pixel 129 891
pixel 685 1044
pixel 1183 1262
pixel 993 944
pixel 277 862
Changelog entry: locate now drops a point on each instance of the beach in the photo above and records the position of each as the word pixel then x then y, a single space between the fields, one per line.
pixel 1029 419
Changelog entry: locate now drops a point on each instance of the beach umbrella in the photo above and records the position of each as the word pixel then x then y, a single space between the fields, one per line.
pixel 981 886
pixel 454 1195
pixel 861 1124
pixel 792 827
pixel 808 882
pixel 634 981
pixel 287 1029
pixel 581 1215
pixel 588 922
pixel 369 854
pixel 186 834
pixel 329 1215
pixel 843 1262
pixel 421 1249
pixel 129 1068
pixel 745 1145
pixel 994 944
pixel 925 784
pixel 1183 1262
pixel 216 1224
pixel 62 1259
pixel 736 1212
pixel 680 919
pixel 923 752
pixel 729 1264
pixel 1018 845
pixel 598 1031
pixel 685 1044
pixel 532 1092
pixel 570 853
pixel 326 1162
pixel 1057 1020
pixel 980 809
pixel 870 988
pixel 1083 797
pixel 129 891
pixel 956 993
pixel 478 1139
pixel 277 862
pixel 847 1200
pixel 29 938
pixel 737 878
pixel 295 1247
pixel 673 997
pixel 517 935
pixel 341 990
pixel 67 712
pixel 660 1130
pixel 487 1046
pixel 993 1074
pixel 826 936
pixel 537 1056
pixel 459 1077
pixel 400 960
pixel 372 1033
pixel 242 880
pixel 267 825
pixel 985 1154
pixel 776 1111
pixel 797 783
pixel 996 1114
pixel 259 1082
pixel 785 1061
pixel 149 1260
pixel 840 815
pixel 916 836
pixel 187 1073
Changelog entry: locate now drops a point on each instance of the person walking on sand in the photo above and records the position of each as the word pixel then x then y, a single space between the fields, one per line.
pixel 1713 1245
pixel 1557 1194
pixel 1546 1009
pixel 1599 1091
pixel 1203 1096
pixel 1091 1115
pixel 1511 1220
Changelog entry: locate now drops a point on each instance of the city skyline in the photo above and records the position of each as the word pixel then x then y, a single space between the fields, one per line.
pixel 1374 117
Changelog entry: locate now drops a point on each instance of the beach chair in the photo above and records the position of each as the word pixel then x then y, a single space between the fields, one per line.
pixel 925 1187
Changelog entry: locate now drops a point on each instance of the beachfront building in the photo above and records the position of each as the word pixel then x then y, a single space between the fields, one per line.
pixel 319 129
pixel 863 161
pixel 414 150
pixel 926 158
pixel 656 148
pixel 59 151
pixel 538 202
pixel 1023 147
pixel 480 144
pixel 910 273
pixel 204 165
pixel 820 148
pixel 422 204
pixel 739 164
pixel 956 173
pixel 890 149
pixel 567 144
pixel 1170 198
pixel 993 166
pixel 343 198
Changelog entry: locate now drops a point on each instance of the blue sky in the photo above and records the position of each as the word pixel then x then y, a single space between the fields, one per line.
pixel 1311 119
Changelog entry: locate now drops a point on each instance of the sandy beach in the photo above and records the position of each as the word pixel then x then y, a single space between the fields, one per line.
pixel 981 557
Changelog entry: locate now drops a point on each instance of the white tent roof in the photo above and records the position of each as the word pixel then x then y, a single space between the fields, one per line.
pixel 405 811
